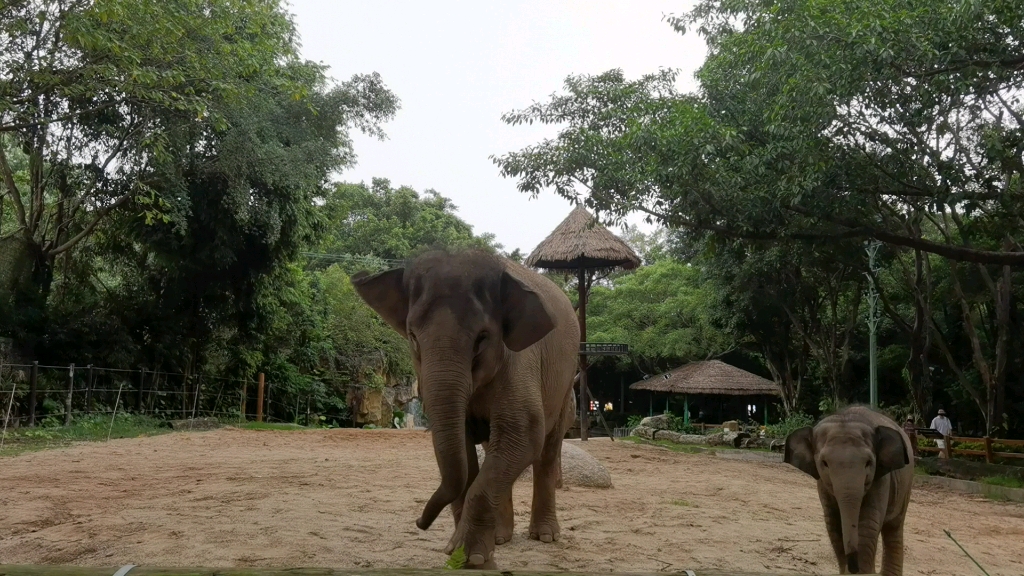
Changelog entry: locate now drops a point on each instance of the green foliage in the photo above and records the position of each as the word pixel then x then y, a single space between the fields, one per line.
pixel 677 424
pixel 634 421
pixel 788 425
pixel 393 223
pixel 1004 481
pixel 82 429
pixel 816 125
pixel 662 311
pixel 457 560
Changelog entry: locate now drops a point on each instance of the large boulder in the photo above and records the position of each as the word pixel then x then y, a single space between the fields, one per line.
pixel 659 422
pixel 579 468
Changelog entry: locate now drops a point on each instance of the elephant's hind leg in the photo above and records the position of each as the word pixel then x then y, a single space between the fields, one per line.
pixel 547 476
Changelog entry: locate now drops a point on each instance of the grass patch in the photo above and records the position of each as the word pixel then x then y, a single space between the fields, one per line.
pixel 687 448
pixel 683 503
pixel 921 471
pixel 84 429
pixel 1005 481
pixel 269 426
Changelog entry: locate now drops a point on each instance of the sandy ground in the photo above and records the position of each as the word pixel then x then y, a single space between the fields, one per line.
pixel 349 498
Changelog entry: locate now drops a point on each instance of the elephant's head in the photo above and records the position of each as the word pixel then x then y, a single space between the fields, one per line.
pixel 846 456
pixel 461 314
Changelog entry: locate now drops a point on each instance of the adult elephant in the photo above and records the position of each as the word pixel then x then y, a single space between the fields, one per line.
pixel 495 348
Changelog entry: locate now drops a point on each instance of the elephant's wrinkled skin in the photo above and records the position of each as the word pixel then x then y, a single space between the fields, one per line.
pixel 862 462
pixel 495 348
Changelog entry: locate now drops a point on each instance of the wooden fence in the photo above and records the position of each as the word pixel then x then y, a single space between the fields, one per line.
pixel 989 452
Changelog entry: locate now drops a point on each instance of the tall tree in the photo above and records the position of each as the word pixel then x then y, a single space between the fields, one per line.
pixel 134 106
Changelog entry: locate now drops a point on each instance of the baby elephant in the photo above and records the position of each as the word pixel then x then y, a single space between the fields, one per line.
pixel 861 460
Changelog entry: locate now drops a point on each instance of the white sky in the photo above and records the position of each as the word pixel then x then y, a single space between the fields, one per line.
pixel 457 66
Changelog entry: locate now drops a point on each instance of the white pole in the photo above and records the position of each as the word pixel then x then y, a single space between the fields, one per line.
pixel 114 415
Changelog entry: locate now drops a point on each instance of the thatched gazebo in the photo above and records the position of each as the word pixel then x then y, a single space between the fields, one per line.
pixel 710 378
pixel 581 245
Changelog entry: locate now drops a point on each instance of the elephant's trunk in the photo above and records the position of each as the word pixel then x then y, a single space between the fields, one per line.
pixel 446 385
pixel 849 497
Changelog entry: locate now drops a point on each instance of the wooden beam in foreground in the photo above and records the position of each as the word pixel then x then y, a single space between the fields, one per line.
pixel 36 570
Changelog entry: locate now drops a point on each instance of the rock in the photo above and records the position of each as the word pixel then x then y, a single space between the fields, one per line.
pixel 644 432
pixel 731 426
pixel 659 422
pixel 579 468
pixel 681 438
pixel 756 443
pixel 195 424
pixel 727 438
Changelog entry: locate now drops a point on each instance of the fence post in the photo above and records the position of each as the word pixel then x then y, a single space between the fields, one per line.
pixel 242 411
pixel 33 380
pixel 89 381
pixel 67 400
pixel 138 395
pixel 948 446
pixel 988 450
pixel 259 398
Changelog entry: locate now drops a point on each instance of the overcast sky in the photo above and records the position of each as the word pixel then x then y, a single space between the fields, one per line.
pixel 457 66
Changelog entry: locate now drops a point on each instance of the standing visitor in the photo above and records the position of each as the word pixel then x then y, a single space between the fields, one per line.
pixel 944 427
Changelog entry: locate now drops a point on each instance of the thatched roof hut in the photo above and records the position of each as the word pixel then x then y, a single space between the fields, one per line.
pixel 708 377
pixel 582 245
pixel 581 242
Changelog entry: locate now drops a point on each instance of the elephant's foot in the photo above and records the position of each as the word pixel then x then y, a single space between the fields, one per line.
pixel 479 547
pixel 545 530
pixel 503 535
pixel 456 540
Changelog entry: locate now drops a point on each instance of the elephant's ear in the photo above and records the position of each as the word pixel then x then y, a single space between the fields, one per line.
pixel 524 319
pixel 385 293
pixel 890 451
pixel 800 451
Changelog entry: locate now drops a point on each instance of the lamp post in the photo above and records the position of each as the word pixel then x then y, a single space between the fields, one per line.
pixel 871 247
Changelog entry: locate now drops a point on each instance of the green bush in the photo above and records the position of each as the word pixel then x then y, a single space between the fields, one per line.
pixel 787 426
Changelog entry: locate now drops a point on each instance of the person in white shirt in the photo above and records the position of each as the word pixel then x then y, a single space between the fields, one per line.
pixel 944 427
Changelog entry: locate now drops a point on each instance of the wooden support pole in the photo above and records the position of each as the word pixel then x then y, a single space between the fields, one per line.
pixel 242 410
pixel 259 398
pixel 33 384
pixel 90 383
pixel 138 393
pixel 988 450
pixel 948 446
pixel 67 399
pixel 584 397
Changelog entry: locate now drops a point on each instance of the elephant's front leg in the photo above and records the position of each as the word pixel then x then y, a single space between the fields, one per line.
pixel 505 523
pixel 510 454
pixel 834 528
pixel 892 548
pixel 459 503
pixel 869 525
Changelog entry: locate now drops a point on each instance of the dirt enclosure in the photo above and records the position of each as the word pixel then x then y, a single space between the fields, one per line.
pixel 349 498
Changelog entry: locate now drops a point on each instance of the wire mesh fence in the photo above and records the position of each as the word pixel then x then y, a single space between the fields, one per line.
pixel 42 395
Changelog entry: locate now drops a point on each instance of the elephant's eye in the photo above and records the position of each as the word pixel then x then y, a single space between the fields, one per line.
pixel 479 342
pixel 825 464
pixel 414 343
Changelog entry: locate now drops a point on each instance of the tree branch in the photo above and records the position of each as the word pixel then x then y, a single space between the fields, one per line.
pixel 12 188
pixel 92 226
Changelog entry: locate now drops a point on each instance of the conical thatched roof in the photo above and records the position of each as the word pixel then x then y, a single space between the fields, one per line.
pixel 580 241
pixel 708 377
